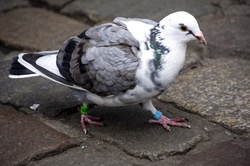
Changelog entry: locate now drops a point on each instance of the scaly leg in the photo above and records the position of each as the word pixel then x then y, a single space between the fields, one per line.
pixel 161 119
pixel 84 110
pixel 165 121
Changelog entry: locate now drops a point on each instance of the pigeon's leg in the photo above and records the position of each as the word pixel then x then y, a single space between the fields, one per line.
pixel 163 120
pixel 84 110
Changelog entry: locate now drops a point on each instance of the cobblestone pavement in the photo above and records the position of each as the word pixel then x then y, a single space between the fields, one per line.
pixel 213 90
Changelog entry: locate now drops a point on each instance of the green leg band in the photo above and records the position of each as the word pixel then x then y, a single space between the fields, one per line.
pixel 84 109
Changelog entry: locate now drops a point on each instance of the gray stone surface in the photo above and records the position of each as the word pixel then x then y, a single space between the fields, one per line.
pixel 98 10
pixel 227 35
pixel 6 5
pixel 24 138
pixel 127 130
pixel 214 85
pixel 219 91
pixel 237 10
pixel 92 152
pixel 236 152
pixel 52 3
pixel 51 96
pixel 194 53
pixel 128 140
pixel 37 29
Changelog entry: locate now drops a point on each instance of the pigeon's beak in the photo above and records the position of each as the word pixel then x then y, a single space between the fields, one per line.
pixel 199 36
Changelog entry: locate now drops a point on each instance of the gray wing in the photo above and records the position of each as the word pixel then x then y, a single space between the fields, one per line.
pixel 102 59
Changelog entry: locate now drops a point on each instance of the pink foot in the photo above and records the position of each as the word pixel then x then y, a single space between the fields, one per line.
pixel 165 121
pixel 90 120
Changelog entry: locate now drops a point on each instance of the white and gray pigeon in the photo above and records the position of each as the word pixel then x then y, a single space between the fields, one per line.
pixel 125 62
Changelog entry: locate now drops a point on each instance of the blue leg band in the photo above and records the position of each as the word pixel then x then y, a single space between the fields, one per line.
pixel 157 115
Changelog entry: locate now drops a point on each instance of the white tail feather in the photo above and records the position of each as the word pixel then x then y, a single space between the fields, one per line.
pixel 47 62
pixel 23 76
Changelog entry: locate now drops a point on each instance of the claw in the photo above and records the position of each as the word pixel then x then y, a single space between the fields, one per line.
pixel 90 120
pixel 188 126
pixel 165 126
pixel 85 131
pixel 165 122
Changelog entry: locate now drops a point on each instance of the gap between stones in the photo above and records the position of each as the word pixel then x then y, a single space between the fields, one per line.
pixel 52 152
pixel 75 142
pixel 79 17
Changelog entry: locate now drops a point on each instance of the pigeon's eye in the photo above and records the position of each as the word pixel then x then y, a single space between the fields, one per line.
pixel 183 28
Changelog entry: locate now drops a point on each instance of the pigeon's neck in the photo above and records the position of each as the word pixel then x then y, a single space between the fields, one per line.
pixel 156 44
pixel 168 58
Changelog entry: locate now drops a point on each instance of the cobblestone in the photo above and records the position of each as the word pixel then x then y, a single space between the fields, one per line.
pixel 212 90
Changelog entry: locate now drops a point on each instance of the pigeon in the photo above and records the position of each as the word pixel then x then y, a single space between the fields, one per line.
pixel 125 62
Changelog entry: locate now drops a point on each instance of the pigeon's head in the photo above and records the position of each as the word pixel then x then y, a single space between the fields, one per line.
pixel 182 26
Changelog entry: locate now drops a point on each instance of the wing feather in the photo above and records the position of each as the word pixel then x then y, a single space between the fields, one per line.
pixel 102 59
